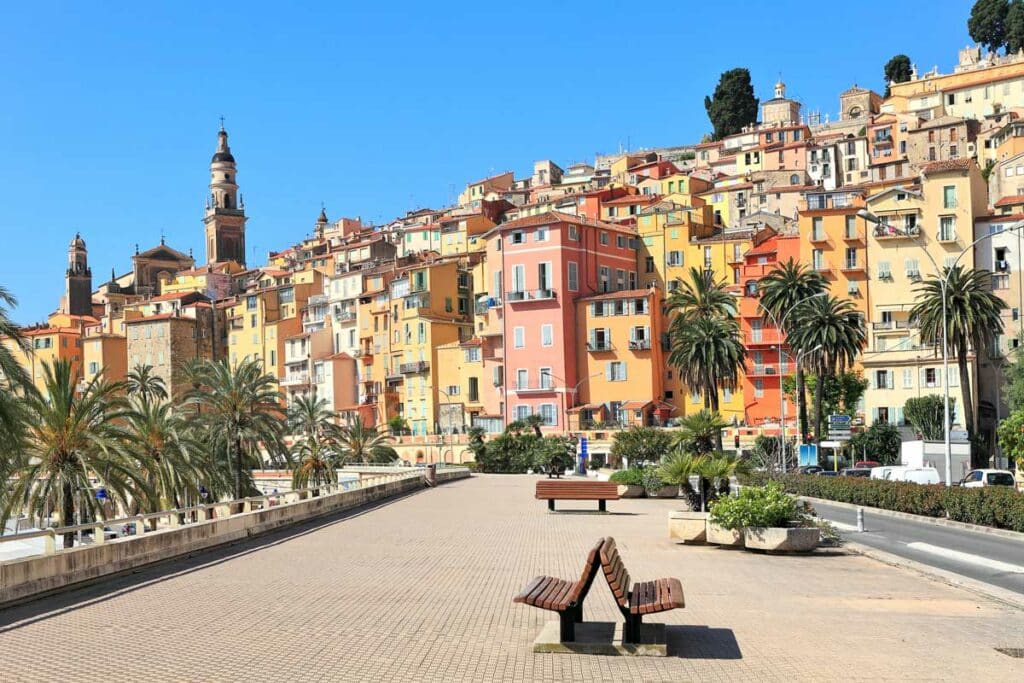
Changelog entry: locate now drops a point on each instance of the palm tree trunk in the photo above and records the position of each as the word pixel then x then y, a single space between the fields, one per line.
pixel 801 402
pixel 818 395
pixel 238 468
pixel 67 512
pixel 714 408
pixel 966 395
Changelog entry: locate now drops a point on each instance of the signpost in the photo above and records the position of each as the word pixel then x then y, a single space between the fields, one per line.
pixel 582 466
pixel 808 454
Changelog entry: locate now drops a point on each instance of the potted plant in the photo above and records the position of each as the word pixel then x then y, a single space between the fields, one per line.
pixel 655 487
pixel 630 481
pixel 769 519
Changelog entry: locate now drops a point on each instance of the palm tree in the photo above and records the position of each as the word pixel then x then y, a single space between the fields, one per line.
pixel 973 321
pixel 142 382
pixel 701 297
pixel 830 333
pixel 700 432
pixel 781 290
pixel 13 378
pixel 240 407
pixel 721 468
pixel 310 416
pixel 359 443
pixel 677 467
pixel 708 353
pixel 170 459
pixel 72 436
pixel 316 464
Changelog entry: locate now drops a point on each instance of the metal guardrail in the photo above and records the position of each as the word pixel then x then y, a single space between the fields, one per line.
pixel 182 516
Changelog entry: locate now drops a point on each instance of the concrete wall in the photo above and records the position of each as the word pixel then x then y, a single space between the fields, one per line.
pixel 30 577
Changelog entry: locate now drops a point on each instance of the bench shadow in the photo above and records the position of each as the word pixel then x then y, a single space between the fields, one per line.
pixel 593 512
pixel 701 642
pixel 108 587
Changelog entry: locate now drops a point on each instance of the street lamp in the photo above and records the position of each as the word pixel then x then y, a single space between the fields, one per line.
pixel 782 398
pixel 944 284
pixel 575 389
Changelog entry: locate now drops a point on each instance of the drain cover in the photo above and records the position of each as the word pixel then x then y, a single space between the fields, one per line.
pixel 1017 652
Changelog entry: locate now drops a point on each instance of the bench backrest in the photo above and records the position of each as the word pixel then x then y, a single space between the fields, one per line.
pixel 615 571
pixel 577 489
pixel 590 569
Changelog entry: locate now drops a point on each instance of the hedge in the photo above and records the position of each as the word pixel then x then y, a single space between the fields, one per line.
pixel 998 506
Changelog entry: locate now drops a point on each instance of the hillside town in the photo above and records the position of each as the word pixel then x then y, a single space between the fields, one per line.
pixel 550 292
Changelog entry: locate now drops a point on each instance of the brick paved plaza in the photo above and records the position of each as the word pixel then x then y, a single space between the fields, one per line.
pixel 420 589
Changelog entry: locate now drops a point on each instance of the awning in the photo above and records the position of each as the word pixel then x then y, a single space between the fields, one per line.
pixel 587 406
pixel 636 405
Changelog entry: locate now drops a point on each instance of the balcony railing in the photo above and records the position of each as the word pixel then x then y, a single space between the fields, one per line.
pixel 762 337
pixel 640 345
pixel 517 295
pixel 946 235
pixel 853 265
pixel 345 316
pixel 542 294
pixel 527 387
pixel 414 367
pixel 295 379
pixel 891 232
pixel 769 368
pixel 599 346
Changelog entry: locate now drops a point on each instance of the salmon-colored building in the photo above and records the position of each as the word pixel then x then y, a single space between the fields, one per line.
pixel 546 263
pixel 763 374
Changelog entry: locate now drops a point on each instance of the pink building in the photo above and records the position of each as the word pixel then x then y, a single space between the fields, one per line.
pixel 546 263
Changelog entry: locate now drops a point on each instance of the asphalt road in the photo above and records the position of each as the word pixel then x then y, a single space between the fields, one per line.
pixel 976 555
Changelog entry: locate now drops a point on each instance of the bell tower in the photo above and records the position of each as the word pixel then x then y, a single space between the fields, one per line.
pixel 78 279
pixel 225 210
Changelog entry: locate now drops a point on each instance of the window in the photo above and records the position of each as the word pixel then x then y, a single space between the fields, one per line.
pixel 851 258
pixel 615 371
pixel 600 339
pixel 544 275
pixel 817 232
pixel 545 378
pixel 453 389
pixel 547 335
pixel 884 272
pixel 675 258
pixel 758 388
pixel 518 237
pixel 851 227
pixel 94 367
pixel 949 197
pixel 447 304
pixel 947 228
pixel 620 241
pixel 522 379
pixel 620 279
pixel 604 239
pixel 852 288
pixel 519 337
pixel 883 379
pixel 549 417
pixel 250 303
pixel 649 264
pixel 573 276
pixel 707 258
pixel 818 259
pixel 604 276
pixel 574 234
pixel 518 278
pixel 522 412
pixel 540 235
pixel 473 354
pixel 695 396
pixel 930 378
pixel 474 389
pixel 908 378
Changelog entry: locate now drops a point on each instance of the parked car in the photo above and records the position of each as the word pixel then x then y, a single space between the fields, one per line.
pixel 980 478
pixel 866 464
pixel 827 473
pixel 855 472
pixel 810 469
pixel 917 475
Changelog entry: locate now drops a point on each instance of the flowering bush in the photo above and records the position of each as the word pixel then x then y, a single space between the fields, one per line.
pixel 755 506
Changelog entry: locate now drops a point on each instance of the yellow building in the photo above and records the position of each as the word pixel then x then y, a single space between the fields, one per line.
pixel 460 378
pixel 924 230
pixel 48 343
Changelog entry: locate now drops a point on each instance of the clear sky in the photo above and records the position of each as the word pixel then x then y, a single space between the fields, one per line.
pixel 109 111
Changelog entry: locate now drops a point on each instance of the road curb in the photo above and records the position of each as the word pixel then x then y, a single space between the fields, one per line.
pixel 995 593
pixel 934 521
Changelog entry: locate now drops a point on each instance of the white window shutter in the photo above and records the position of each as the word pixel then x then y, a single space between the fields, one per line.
pixel 608 371
pixel 938 377
pixel 954 376
pixel 623 366
pixel 892 379
pixel 871 380
pixel 874 415
pixel 923 378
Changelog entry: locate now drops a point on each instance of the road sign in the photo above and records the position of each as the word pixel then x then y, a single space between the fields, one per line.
pixel 839 420
pixel 808 454
pixel 831 444
pixel 839 434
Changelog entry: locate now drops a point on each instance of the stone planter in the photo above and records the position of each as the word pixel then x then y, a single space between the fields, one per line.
pixel 687 527
pixel 664 492
pixel 629 491
pixel 782 539
pixel 719 535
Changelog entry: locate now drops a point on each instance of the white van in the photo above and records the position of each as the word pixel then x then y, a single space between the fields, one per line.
pixel 885 471
pixel 918 475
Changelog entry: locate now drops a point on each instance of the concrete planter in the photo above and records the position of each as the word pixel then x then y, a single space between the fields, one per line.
pixel 664 492
pixel 687 527
pixel 782 539
pixel 719 535
pixel 629 491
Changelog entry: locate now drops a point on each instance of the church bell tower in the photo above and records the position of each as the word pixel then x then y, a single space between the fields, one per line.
pixel 78 279
pixel 225 211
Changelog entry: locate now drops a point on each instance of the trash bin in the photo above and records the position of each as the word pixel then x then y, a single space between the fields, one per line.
pixel 431 475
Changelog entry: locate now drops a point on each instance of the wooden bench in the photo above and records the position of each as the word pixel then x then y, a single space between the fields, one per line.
pixel 639 598
pixel 582 489
pixel 564 597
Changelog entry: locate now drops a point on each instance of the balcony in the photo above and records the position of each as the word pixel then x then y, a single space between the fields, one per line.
pixel 853 267
pixel 345 316
pixel 762 338
pixel 640 345
pixel 946 236
pixel 768 369
pixel 317 299
pixel 1002 266
pixel 823 267
pixel 595 347
pixel 818 237
pixel 891 232
pixel 517 295
pixel 394 378
pixel 855 237
pixel 414 368
pixel 419 300
pixel 884 326
pixel 295 379
pixel 528 389
pixel 541 294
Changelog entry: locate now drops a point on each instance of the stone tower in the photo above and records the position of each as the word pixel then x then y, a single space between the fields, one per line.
pixel 78 279
pixel 780 110
pixel 225 213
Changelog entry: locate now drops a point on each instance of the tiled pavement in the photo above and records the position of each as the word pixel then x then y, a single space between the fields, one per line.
pixel 420 589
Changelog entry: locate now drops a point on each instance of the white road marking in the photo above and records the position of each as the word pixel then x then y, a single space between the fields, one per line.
pixel 967 558
pixel 841 526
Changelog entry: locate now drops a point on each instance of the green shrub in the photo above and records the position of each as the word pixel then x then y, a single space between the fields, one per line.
pixel 652 482
pixel 755 506
pixel 999 507
pixel 634 476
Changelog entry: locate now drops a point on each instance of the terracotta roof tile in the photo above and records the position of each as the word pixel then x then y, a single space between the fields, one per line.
pixel 1011 200
pixel 948 165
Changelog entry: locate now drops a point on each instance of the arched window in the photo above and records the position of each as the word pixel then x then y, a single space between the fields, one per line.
pixel 227 201
pixel 794 179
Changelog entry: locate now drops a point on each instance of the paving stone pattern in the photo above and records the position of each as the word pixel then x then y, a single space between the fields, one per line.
pixel 420 589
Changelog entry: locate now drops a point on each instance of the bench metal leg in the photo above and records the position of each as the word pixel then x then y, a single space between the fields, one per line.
pixel 631 628
pixel 551 504
pixel 578 613
pixel 601 506
pixel 567 625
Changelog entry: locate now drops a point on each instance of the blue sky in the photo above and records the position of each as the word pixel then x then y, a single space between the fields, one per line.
pixel 109 111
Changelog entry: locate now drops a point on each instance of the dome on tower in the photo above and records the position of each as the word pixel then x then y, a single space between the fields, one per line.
pixel 77 242
pixel 222 156
pixel 223 152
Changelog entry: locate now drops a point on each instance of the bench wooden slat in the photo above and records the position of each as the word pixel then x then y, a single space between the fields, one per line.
pixel 540 590
pixel 530 587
